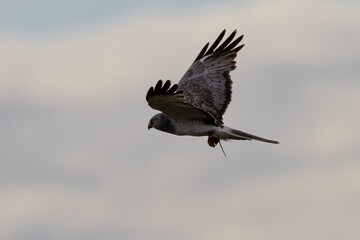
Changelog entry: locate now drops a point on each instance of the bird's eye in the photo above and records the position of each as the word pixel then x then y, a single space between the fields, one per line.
pixel 152 121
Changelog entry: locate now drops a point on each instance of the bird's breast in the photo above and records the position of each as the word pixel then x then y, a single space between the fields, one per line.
pixel 192 128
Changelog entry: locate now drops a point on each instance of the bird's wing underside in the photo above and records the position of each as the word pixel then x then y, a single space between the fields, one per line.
pixel 206 85
pixel 173 103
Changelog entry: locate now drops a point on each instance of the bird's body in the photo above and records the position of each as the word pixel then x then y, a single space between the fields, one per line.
pixel 193 128
pixel 196 104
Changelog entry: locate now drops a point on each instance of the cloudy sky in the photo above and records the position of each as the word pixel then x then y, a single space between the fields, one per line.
pixel 77 160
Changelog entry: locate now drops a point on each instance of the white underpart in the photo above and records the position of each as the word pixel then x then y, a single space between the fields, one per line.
pixel 193 128
pixel 198 128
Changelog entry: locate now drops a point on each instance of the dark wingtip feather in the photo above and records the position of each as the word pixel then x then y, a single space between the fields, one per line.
pixel 150 93
pixel 233 44
pixel 173 89
pixel 238 48
pixel 166 86
pixel 158 86
pixel 201 54
pixel 162 90
pixel 216 42
pixel 226 46
pixel 226 42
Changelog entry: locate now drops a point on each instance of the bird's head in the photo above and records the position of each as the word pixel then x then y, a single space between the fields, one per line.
pixel 161 122
pixel 155 121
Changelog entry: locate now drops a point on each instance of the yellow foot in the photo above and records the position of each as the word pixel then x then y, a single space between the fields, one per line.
pixel 212 141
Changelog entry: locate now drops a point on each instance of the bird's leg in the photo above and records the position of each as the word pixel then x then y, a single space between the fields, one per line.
pixel 213 141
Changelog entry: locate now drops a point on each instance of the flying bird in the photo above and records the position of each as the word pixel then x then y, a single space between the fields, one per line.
pixel 196 104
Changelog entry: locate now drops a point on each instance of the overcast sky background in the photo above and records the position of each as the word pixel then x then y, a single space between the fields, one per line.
pixel 77 160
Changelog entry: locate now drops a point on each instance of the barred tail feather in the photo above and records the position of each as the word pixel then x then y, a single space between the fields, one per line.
pixel 239 135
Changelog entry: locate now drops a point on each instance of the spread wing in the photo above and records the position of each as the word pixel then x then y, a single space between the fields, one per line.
pixel 173 103
pixel 207 84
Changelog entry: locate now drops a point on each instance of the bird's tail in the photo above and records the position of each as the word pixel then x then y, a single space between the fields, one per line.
pixel 230 133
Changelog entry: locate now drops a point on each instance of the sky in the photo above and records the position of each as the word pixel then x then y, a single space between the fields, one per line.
pixel 77 159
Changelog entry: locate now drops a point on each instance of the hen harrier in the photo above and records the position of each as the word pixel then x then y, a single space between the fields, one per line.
pixel 196 104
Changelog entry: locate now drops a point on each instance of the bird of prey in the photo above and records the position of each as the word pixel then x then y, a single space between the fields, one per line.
pixel 196 104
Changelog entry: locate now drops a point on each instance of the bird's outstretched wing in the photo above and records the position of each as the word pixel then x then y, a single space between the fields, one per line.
pixel 206 85
pixel 171 102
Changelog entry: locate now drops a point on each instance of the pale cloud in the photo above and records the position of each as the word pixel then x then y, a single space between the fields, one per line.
pixel 102 63
pixel 79 163
pixel 313 204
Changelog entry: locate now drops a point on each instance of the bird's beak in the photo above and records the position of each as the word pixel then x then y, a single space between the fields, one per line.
pixel 149 125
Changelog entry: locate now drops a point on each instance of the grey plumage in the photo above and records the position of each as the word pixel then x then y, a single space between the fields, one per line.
pixel 196 104
pixel 207 83
pixel 161 122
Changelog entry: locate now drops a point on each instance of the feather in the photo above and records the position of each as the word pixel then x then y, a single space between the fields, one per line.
pixel 226 42
pixel 158 86
pixel 166 86
pixel 234 43
pixel 173 89
pixel 207 83
pixel 216 43
pixel 201 54
pixel 150 93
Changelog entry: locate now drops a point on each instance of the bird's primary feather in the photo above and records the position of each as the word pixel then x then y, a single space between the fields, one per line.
pixel 207 83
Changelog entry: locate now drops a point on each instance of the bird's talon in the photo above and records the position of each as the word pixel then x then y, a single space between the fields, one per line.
pixel 213 141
